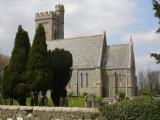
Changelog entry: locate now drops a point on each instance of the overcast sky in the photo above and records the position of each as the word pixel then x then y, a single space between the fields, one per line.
pixel 121 19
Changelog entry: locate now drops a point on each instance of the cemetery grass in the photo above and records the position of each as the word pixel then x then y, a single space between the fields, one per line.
pixel 72 102
pixel 76 102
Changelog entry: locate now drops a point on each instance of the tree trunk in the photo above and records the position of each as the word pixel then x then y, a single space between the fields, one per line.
pixel 36 98
pixel 22 101
pixel 55 98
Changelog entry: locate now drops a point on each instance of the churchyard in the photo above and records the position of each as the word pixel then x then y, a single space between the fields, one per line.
pixel 33 70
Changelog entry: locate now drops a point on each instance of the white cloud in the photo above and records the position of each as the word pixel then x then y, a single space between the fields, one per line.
pixel 144 44
pixel 81 18
pixel 140 38
pixel 145 63
pixel 85 17
pixel 94 17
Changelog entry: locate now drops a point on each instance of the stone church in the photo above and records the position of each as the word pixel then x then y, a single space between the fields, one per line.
pixel 98 68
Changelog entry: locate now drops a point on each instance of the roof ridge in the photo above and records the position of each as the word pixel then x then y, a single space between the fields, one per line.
pixel 77 37
pixel 118 45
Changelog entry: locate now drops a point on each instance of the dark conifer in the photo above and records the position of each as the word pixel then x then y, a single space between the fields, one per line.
pixel 156 7
pixel 38 72
pixel 61 68
pixel 13 83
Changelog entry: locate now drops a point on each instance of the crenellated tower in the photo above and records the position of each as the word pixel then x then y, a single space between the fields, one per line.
pixel 53 22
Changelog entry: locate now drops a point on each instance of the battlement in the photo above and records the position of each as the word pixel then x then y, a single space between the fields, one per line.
pixel 53 22
pixel 59 7
pixel 45 15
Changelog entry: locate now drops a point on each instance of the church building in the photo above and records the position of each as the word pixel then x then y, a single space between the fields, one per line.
pixel 98 68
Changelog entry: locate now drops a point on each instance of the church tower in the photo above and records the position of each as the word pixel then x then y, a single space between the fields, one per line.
pixel 53 22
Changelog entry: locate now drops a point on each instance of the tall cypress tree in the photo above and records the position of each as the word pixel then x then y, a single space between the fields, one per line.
pixel 13 83
pixel 38 72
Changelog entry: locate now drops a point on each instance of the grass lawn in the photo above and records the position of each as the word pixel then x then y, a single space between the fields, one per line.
pixel 72 102
pixel 76 102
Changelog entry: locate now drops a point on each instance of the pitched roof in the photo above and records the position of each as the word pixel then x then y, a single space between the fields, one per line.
pixel 118 56
pixel 86 51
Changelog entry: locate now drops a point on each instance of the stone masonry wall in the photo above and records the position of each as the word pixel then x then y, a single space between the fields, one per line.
pixel 45 113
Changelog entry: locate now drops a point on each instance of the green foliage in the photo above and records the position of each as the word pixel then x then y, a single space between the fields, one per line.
pixel 38 72
pixel 72 102
pixel 61 68
pixel 50 103
pixel 84 94
pixel 8 101
pixel 121 95
pixel 141 108
pixel 4 60
pixel 14 74
pixel 76 102
pixel 146 92
pixel 156 56
pixel 156 7
pixel 1 101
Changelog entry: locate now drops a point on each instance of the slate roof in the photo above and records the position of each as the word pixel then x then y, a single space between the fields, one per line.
pixel 118 56
pixel 86 51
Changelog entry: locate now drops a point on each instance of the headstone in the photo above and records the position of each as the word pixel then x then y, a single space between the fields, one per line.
pixel 43 101
pixel 9 118
pixel 19 118
pixel 65 102
pixel 61 102
pixel 86 100
pixel 32 99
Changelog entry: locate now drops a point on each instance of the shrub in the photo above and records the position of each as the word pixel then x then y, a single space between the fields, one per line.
pixel 121 96
pixel 84 94
pixel 141 108
pixel 1 101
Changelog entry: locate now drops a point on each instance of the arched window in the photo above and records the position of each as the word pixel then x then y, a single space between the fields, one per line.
pixel 55 35
pixel 120 82
pixel 81 80
pixel 86 79
pixel 116 83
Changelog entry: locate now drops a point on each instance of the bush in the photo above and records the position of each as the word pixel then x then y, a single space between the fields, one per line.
pixel 121 96
pixel 1 101
pixel 141 108
pixel 84 94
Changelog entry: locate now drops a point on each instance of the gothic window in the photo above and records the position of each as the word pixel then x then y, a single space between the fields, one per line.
pixel 120 82
pixel 55 35
pixel 86 79
pixel 81 80
pixel 116 84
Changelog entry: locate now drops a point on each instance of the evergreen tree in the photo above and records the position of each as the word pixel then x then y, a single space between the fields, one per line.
pixel 13 82
pixel 38 69
pixel 61 68
pixel 156 7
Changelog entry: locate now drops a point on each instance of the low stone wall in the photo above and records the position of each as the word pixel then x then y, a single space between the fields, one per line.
pixel 46 113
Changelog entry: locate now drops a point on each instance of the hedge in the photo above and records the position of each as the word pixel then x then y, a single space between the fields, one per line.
pixel 141 108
